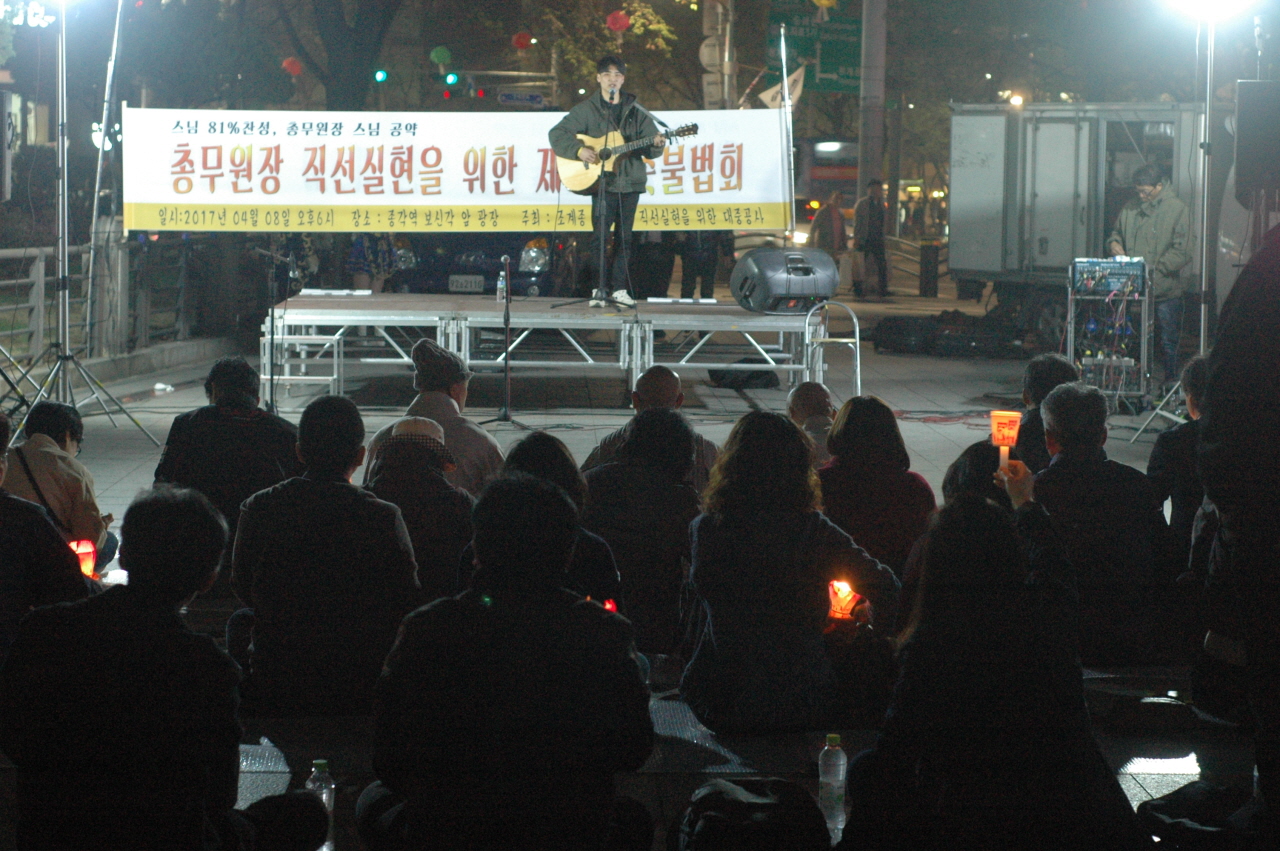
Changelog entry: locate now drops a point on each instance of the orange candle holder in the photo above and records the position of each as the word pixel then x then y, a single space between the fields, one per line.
pixel 1004 433
pixel 843 599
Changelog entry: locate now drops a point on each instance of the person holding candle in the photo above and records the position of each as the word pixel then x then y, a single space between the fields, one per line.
pixel 987 740
pixel 764 558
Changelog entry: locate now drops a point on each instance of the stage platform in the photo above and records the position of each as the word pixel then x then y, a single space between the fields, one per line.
pixel 315 338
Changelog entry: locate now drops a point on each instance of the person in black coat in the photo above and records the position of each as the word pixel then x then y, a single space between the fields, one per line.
pixel 230 449
pixel 1043 373
pixel 987 742
pixel 37 568
pixel 1172 465
pixel 1115 532
pixel 122 722
pixel 502 715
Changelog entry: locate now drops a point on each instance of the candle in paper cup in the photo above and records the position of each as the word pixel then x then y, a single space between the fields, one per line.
pixel 1004 433
pixel 842 599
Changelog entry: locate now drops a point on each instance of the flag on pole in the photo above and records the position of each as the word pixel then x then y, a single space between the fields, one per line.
pixel 772 97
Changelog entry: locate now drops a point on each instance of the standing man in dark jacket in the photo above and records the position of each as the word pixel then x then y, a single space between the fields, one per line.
pixel 611 109
pixel 503 714
pixel 328 570
pixel 868 235
pixel 1172 465
pixel 230 449
pixel 700 255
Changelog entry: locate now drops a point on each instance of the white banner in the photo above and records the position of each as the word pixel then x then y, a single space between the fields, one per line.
pixel 237 170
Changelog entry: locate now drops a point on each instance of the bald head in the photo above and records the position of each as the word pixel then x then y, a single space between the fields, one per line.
pixel 658 387
pixel 809 399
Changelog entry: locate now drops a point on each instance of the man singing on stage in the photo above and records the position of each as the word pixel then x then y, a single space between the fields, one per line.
pixel 611 109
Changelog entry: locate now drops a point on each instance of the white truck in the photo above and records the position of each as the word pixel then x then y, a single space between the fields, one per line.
pixel 1034 187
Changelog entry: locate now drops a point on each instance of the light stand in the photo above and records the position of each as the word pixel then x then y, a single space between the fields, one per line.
pixel 504 413
pixel 1206 146
pixel 57 384
pixel 108 88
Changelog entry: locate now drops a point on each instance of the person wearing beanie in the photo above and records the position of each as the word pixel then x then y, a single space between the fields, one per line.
pixel 441 379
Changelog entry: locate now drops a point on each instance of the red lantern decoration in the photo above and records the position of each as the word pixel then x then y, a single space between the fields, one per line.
pixel 522 40
pixel 292 66
pixel 618 21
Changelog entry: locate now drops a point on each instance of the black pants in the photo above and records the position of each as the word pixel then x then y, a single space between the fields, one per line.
pixel 695 266
pixel 873 254
pixel 619 214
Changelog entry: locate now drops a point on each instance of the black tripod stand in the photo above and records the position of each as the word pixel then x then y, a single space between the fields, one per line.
pixel 504 413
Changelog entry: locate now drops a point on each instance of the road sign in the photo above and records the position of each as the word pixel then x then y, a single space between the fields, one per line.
pixel 709 54
pixel 535 100
pixel 830 40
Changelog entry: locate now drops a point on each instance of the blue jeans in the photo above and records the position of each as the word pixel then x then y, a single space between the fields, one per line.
pixel 1169 332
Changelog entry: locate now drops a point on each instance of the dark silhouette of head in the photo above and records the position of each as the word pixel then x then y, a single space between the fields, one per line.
pixel 331 435
pixel 809 399
pixel 972 569
pixel 56 420
pixel 1195 378
pixel 1043 373
pixel 171 542
pixel 764 465
pixel 544 456
pixel 663 439
pixel 972 475
pixel 232 383
pixel 1075 416
pixel 866 431
pixel 524 530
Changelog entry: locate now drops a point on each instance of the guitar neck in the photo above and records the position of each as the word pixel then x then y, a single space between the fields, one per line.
pixel 631 146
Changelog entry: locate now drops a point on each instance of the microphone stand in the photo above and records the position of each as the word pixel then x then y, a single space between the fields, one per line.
pixel 504 413
pixel 292 263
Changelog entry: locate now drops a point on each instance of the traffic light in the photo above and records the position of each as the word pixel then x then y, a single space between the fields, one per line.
pixel 380 76
pixel 451 78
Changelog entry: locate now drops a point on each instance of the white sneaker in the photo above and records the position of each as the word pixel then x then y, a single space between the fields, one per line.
pixel 624 298
pixel 597 299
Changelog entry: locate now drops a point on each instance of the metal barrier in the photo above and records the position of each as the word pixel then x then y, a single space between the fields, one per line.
pixel 28 304
pixel 819 338
pixel 909 250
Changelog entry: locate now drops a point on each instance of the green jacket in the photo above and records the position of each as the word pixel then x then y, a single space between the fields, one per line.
pixel 1158 231
pixel 591 118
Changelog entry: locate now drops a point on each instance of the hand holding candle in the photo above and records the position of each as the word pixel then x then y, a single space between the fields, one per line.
pixel 1004 433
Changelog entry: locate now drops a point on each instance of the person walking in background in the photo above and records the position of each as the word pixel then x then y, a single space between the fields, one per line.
pixel 868 236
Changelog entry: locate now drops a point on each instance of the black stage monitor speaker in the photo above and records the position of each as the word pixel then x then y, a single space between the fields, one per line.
pixel 1258 135
pixel 783 280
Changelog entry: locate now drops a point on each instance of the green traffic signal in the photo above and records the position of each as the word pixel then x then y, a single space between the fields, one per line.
pixel 451 79
pixel 380 76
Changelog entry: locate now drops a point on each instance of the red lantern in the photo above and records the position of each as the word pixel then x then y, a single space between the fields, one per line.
pixel 292 66
pixel 618 21
pixel 87 554
pixel 522 40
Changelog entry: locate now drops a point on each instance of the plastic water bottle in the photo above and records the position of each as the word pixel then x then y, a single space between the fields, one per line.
pixel 832 767
pixel 502 286
pixel 321 784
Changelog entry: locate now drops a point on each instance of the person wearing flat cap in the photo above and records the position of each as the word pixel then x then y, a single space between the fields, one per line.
pixel 410 473
pixel 441 379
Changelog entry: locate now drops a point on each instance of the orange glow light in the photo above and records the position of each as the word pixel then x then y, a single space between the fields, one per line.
pixel 87 552
pixel 1004 427
pixel 843 599
pixel 610 606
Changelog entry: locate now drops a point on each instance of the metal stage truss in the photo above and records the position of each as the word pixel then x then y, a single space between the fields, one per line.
pixel 318 337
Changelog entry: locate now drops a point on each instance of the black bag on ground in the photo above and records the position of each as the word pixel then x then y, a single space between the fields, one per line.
pixel 751 814
pixel 744 379
pixel 911 335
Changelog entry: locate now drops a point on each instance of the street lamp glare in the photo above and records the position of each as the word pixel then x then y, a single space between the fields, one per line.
pixel 1016 100
pixel 1211 10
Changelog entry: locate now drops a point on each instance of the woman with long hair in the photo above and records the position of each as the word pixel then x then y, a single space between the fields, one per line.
pixel 764 557
pixel 987 740
pixel 868 488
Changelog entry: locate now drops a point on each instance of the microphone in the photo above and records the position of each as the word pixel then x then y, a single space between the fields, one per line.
pixel 613 93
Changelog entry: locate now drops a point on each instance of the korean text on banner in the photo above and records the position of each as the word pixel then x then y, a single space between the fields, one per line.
pixel 235 170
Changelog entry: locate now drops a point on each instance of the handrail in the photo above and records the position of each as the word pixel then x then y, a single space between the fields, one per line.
pixel 816 343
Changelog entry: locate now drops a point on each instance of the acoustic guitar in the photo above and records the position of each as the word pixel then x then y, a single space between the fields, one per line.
pixel 581 177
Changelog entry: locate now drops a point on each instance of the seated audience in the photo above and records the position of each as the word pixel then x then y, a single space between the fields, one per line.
pixel 1043 373
pixel 592 570
pixel 230 449
pixel 501 717
pixel 43 469
pixel 763 559
pixel 868 489
pixel 442 379
pixel 410 474
pixel 122 721
pixel 658 387
pixel 642 507
pixel 328 570
pixel 37 568
pixel 1114 529
pixel 1171 468
pixel 987 741
pixel 973 473
pixel 809 407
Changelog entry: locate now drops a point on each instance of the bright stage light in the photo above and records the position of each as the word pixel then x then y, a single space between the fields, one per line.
pixel 1212 10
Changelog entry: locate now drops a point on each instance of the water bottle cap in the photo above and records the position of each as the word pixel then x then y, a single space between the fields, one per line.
pixel 833 740
pixel 321 765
